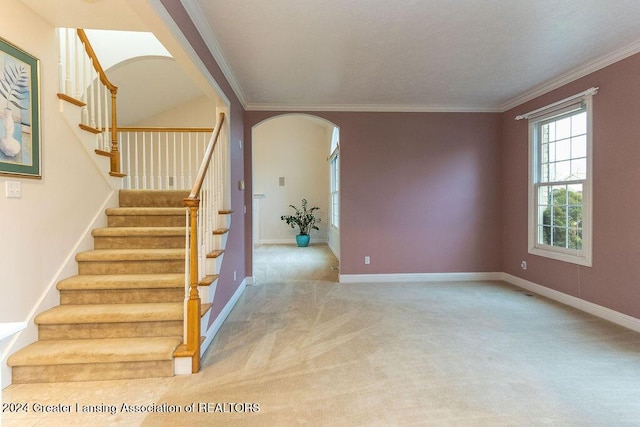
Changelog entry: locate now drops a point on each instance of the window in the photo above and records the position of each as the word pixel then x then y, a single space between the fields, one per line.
pixel 560 180
pixel 334 185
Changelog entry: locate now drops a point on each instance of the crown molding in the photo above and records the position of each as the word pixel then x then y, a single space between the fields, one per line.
pixel 575 74
pixel 196 14
pixel 378 108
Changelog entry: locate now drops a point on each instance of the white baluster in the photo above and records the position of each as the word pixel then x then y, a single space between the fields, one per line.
pixel 68 87
pixel 144 161
pixel 190 172
pixel 128 171
pixel 182 159
pixel 137 162
pixel 175 164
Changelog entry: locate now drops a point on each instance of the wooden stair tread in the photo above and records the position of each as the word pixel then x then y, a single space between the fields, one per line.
pixel 130 255
pixel 111 313
pixel 85 351
pixel 220 231
pixel 215 254
pixel 226 212
pixel 90 129
pixel 122 281
pixel 208 280
pixel 138 231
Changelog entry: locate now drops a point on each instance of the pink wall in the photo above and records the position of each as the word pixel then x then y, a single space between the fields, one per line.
pixel 234 257
pixel 420 191
pixel 447 192
pixel 612 281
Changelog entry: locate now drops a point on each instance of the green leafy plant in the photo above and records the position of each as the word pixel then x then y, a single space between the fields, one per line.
pixel 304 218
pixel 14 86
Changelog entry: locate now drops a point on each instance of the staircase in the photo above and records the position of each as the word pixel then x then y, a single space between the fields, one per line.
pixel 122 315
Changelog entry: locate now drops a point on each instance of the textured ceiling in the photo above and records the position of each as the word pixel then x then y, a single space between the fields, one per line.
pixel 415 55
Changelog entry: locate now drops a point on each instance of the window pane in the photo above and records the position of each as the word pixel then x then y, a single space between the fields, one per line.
pixel 562 171
pixel 579 169
pixel 563 150
pixel 544 195
pixel 575 238
pixel 579 124
pixel 559 215
pixel 563 128
pixel 544 235
pixel 579 146
pixel 559 237
pixel 544 215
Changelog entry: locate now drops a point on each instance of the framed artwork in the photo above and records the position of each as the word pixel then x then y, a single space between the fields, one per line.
pixel 19 112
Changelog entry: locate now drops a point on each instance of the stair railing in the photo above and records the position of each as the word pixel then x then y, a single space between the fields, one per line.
pixel 161 158
pixel 205 193
pixel 84 83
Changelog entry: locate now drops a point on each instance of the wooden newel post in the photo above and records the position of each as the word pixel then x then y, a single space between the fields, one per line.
pixel 115 151
pixel 193 303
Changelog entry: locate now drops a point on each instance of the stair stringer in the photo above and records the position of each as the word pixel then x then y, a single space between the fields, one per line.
pixel 224 221
pixel 72 114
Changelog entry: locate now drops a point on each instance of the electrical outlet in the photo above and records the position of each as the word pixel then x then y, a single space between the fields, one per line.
pixel 367 260
pixel 234 275
pixel 523 265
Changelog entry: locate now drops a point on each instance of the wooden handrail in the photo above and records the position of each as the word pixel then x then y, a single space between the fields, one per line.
pixel 162 129
pixel 192 203
pixel 195 190
pixel 115 155
pixel 92 54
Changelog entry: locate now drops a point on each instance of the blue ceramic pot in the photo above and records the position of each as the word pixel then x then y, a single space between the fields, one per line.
pixel 303 240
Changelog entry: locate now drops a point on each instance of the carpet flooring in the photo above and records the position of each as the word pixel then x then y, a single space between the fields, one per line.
pixel 301 349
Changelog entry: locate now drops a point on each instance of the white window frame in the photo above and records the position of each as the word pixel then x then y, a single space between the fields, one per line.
pixel 334 190
pixel 576 256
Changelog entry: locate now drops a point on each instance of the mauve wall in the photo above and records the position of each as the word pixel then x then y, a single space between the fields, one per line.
pixel 234 257
pixel 613 279
pixel 420 192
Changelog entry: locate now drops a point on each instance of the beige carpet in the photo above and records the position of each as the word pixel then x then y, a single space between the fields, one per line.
pixel 315 352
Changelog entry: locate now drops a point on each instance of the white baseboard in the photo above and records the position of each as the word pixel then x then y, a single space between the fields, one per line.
pixel 288 241
pixel 580 304
pixel 418 277
pixel 217 324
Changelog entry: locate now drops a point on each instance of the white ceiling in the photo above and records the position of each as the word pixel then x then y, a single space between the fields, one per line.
pixel 410 55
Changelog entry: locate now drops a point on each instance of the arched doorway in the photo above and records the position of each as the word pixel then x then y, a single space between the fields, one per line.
pixel 294 157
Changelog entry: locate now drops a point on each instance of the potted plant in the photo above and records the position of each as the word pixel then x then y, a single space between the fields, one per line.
pixel 305 219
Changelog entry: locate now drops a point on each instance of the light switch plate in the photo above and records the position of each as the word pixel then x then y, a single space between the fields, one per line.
pixel 13 189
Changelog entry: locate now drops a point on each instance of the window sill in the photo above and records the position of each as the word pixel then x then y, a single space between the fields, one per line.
pixel 583 260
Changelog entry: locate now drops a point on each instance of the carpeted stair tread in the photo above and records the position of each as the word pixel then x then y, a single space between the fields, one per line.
pixel 138 231
pixel 121 282
pixel 152 198
pixel 111 313
pixel 84 351
pixel 148 211
pixel 131 255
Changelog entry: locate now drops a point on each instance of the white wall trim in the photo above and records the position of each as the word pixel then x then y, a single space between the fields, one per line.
pixel 418 277
pixel 575 74
pixel 580 304
pixel 376 108
pixel 217 324
pixel 290 241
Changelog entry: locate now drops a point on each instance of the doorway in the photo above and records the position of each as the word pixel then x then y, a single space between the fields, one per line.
pixel 294 158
